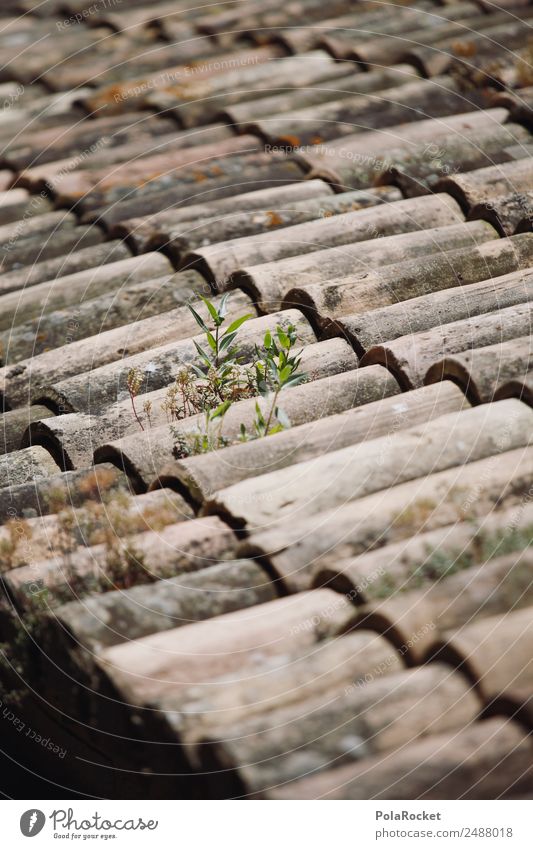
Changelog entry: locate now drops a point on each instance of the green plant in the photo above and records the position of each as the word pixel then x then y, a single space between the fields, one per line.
pixel 441 563
pixel 220 359
pixel 503 541
pixel 276 368
pixel 209 438
pixel 211 386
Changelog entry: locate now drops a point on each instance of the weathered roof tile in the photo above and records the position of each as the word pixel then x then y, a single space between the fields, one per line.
pixel 486 760
pixel 356 471
pixel 409 357
pixel 367 293
pixel 356 722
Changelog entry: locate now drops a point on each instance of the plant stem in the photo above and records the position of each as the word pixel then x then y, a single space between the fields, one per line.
pixel 271 412
pixel 139 422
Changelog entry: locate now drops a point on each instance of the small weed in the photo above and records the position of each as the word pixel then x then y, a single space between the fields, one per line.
pixel 220 379
pixel 113 525
pixel 147 410
pixel 505 541
pixel 134 382
pixel 276 368
pixel 203 441
pixel 441 563
pixel 383 587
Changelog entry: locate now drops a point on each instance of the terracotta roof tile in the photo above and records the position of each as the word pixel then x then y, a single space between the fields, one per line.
pixel 395 514
pixel 410 357
pixel 522 389
pixel 347 162
pixel 203 475
pixel 257 503
pixel 80 435
pixel 90 523
pixel 508 213
pixel 102 336
pixel 248 638
pixel 157 229
pixel 480 186
pixel 426 284
pixel 15 423
pixel 47 495
pixel 198 184
pixel 425 560
pixel 270 283
pixel 356 722
pixel 218 262
pixel 145 454
pixel 200 542
pixel 486 760
pixel 19 306
pixel 497 665
pixel 480 371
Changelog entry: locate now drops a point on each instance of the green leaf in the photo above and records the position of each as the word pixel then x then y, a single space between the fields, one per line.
pixel 202 353
pixel 223 308
pixel 282 417
pixel 198 319
pixel 231 357
pixel 237 323
pixel 272 368
pixel 284 340
pixel 268 339
pixel 212 341
pixel 262 388
pixel 295 380
pixel 294 361
pixel 285 373
pixel 259 415
pixel 243 432
pixel 198 372
pixel 227 340
pixel 221 410
pixel 212 310
pixel 291 333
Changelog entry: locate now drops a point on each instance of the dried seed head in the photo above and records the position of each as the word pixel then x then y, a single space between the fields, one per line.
pixel 134 381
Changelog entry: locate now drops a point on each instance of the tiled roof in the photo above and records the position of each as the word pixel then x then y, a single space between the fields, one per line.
pixel 339 609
